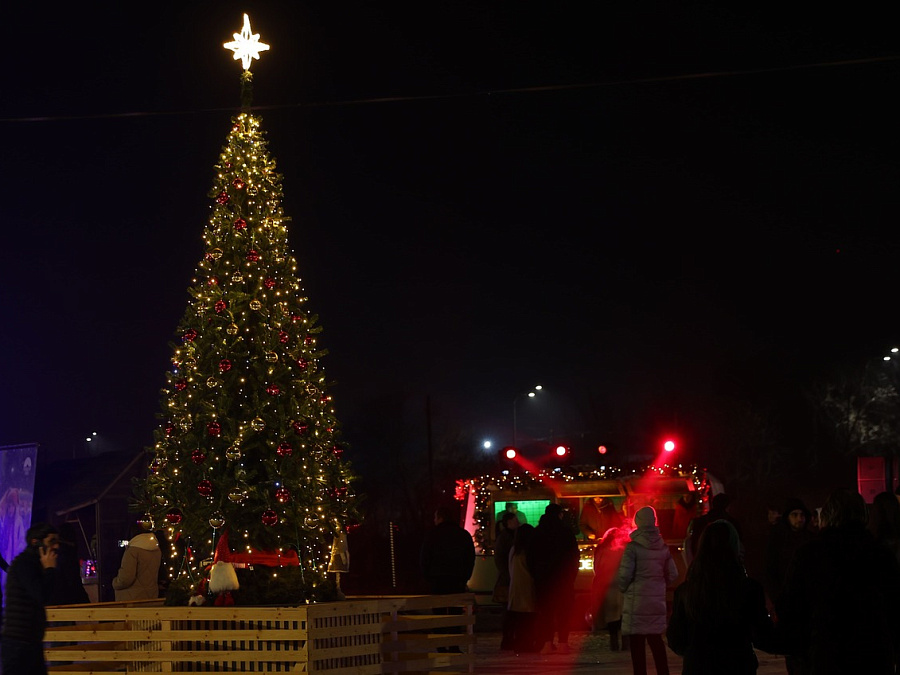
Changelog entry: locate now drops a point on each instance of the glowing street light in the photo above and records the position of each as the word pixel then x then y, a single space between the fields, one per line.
pixel 530 394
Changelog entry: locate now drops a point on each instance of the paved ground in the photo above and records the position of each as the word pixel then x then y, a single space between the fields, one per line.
pixel 589 654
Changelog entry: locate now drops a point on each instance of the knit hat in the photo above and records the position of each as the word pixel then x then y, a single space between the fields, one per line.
pixel 645 517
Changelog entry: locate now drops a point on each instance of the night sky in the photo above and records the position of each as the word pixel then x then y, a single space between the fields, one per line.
pixel 644 208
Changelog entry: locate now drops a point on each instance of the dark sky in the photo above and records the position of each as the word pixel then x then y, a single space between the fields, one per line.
pixel 641 207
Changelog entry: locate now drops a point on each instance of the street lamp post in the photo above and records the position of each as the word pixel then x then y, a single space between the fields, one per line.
pixel 529 394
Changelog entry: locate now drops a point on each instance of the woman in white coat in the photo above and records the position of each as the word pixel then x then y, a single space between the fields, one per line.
pixel 138 577
pixel 646 570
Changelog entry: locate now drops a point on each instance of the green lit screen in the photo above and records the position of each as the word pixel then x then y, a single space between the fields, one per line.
pixel 532 510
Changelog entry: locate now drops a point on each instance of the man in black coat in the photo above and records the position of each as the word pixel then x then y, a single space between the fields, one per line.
pixel 448 554
pixel 30 586
pixel 552 558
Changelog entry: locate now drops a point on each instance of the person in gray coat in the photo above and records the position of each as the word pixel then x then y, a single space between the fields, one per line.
pixel 646 570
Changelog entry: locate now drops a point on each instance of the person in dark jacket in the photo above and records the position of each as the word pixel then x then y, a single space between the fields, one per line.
pixel 719 613
pixel 448 554
pixel 30 586
pixel 553 561
pixel 718 510
pixel 787 535
pixel 839 607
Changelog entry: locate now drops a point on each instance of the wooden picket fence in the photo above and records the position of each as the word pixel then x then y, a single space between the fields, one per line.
pixel 360 635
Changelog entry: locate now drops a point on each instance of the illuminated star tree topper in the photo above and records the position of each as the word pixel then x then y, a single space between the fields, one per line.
pixel 246 45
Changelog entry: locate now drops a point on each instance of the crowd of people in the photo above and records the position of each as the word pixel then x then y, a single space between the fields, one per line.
pixel 828 596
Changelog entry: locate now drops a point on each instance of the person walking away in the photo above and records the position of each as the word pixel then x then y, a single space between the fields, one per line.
pixel 553 561
pixel 646 570
pixel 519 620
pixel 719 613
pixel 502 546
pixel 447 560
pixel 839 610
pixel 607 598
pixel 30 587
pixel 138 576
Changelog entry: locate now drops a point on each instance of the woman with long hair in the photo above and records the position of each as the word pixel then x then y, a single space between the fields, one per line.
pixel 719 613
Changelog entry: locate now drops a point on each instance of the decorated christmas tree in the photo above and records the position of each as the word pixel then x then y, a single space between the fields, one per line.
pixel 247 464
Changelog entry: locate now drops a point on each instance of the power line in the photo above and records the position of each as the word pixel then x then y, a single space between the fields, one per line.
pixel 475 94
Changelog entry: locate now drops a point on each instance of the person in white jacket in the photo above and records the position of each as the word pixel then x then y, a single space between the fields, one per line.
pixel 138 577
pixel 646 570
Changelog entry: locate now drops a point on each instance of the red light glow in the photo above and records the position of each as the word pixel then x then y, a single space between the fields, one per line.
pixel 669 446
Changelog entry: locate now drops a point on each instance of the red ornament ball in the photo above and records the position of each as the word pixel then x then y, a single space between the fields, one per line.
pixel 213 281
pixel 198 456
pixel 214 429
pixel 283 495
pixel 300 428
pixel 220 306
pixel 337 451
pixel 170 428
pixel 269 283
pixel 238 184
pixel 302 364
pixel 189 335
pixel 181 385
pixel 273 390
pixel 308 340
pixel 174 517
pixel 224 366
pixel 205 488
pixel 269 517
pixel 222 197
pixel 240 224
pixel 283 337
pixel 285 450
pixel 253 255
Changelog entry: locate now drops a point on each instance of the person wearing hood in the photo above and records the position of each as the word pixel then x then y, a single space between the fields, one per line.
pixel 788 534
pixel 138 577
pixel 646 570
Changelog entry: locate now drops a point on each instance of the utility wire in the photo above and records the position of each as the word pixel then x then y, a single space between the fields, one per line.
pixel 476 94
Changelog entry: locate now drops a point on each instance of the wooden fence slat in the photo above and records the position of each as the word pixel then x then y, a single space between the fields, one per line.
pixel 358 636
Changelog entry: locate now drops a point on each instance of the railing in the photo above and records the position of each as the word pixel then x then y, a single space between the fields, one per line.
pixel 360 635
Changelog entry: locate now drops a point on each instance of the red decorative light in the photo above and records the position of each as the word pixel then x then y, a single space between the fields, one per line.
pixel 602 449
